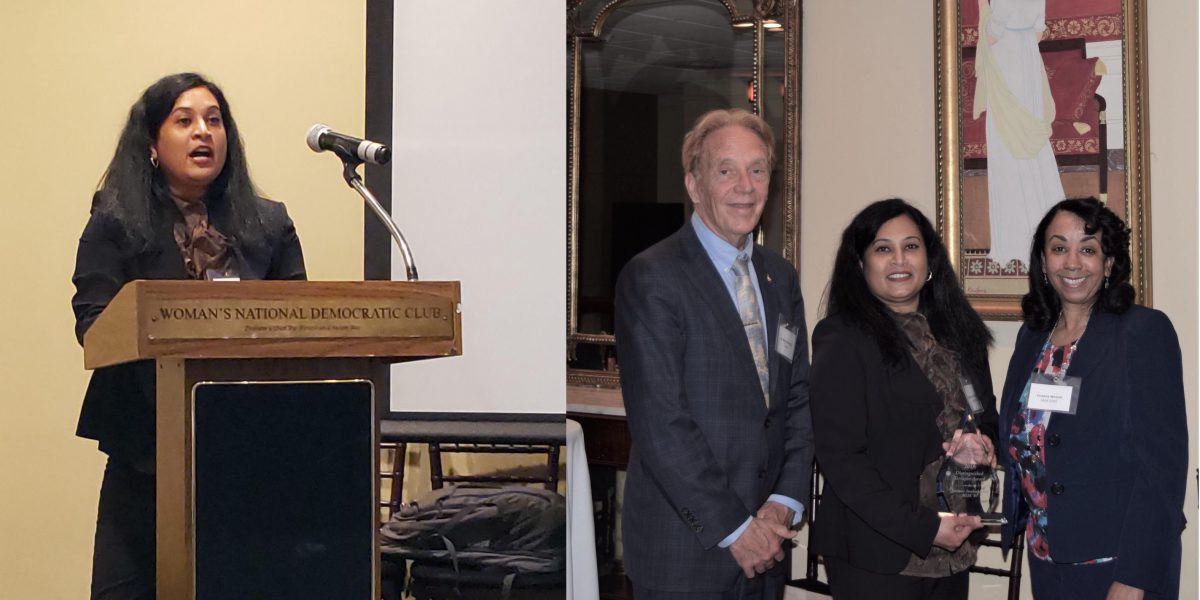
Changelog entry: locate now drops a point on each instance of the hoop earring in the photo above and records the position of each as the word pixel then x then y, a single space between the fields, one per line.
pixel 154 162
pixel 928 276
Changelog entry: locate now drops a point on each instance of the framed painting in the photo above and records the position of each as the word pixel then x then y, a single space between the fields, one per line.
pixel 1037 101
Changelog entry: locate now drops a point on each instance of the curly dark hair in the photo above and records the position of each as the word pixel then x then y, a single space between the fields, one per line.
pixel 951 319
pixel 1040 307
pixel 135 194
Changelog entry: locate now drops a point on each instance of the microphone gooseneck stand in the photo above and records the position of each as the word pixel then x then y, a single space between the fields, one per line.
pixel 350 174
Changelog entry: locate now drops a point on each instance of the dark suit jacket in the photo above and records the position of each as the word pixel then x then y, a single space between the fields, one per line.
pixel 118 408
pixel 707 451
pixel 1119 465
pixel 876 429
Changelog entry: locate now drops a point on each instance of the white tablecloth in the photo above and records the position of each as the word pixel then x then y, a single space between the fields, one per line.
pixel 582 580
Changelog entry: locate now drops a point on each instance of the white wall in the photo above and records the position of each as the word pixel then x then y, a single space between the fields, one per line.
pixel 868 133
pixel 478 187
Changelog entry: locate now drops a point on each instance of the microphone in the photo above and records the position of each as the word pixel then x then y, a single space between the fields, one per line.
pixel 321 138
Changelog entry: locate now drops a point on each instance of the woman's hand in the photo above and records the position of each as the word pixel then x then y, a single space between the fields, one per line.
pixel 1120 591
pixel 969 449
pixel 954 529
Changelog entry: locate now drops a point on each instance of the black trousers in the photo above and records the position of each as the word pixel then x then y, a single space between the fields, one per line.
pixel 848 582
pixel 123 558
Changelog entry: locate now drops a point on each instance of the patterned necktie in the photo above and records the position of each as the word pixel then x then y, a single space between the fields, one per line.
pixel 747 305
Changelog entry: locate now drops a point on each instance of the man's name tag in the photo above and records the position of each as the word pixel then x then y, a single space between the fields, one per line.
pixel 1053 396
pixel 785 340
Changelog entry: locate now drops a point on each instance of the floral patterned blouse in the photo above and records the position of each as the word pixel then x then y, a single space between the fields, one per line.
pixel 1027 449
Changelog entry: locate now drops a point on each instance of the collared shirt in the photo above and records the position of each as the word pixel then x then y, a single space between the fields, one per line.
pixel 722 254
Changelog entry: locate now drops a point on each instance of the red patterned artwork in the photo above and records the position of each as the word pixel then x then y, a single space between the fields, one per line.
pixel 1052 145
pixel 1092 20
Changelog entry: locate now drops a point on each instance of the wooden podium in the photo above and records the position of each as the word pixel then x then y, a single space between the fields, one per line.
pixel 267 424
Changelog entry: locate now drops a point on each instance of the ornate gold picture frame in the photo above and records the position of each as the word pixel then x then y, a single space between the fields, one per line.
pixel 1093 73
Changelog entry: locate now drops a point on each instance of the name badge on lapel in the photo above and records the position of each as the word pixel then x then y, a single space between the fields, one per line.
pixel 1049 394
pixel 785 339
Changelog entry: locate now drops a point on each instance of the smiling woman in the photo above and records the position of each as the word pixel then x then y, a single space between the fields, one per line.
pixel 1095 420
pixel 895 265
pixel 896 362
pixel 176 202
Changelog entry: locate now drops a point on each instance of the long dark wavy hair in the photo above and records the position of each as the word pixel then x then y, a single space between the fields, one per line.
pixel 951 319
pixel 1040 307
pixel 134 192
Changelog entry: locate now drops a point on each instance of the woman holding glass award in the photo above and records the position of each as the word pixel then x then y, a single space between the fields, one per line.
pixel 900 387
pixel 1096 430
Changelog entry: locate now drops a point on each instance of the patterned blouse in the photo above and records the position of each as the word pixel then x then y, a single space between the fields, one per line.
pixel 1027 449
pixel 943 369
pixel 205 250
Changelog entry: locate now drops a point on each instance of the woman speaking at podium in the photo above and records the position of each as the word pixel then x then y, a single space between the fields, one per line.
pixel 176 202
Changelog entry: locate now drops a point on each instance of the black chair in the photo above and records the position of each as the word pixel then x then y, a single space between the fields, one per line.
pixel 1015 559
pixel 436 581
pixel 1015 562
pixel 429 581
pixel 392 473
pixel 547 477
pixel 811 582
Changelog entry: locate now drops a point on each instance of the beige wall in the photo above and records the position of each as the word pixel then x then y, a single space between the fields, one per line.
pixel 868 133
pixel 70 72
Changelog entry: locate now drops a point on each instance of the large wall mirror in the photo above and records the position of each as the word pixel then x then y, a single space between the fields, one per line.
pixel 639 74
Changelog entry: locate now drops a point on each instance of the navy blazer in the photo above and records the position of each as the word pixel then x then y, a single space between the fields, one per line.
pixel 707 451
pixel 1117 469
pixel 118 407
pixel 876 429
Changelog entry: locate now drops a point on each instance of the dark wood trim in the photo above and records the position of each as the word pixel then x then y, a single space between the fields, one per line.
pixel 377 242
pixel 377 254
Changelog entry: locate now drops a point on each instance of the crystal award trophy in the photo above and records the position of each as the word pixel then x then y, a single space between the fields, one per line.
pixel 964 487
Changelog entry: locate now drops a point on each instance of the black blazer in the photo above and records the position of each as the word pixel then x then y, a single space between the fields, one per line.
pixel 876 429
pixel 707 451
pixel 1117 468
pixel 118 407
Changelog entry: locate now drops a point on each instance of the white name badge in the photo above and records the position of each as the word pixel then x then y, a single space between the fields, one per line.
pixel 785 340
pixel 1053 396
